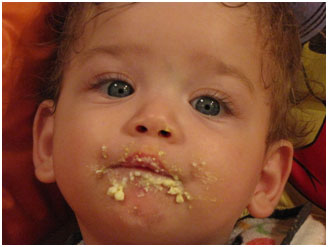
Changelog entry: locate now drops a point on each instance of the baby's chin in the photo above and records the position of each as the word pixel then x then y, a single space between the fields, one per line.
pixel 131 211
pixel 139 199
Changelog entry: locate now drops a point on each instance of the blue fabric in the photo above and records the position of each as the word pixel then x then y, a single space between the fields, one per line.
pixel 311 18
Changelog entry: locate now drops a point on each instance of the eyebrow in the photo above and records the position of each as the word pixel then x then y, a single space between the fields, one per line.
pixel 115 50
pixel 221 67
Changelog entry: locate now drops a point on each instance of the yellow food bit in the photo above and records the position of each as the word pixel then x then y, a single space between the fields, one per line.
pixel 100 172
pixel 187 195
pixel 104 152
pixel 112 190
pixel 161 153
pixel 168 182
pixel 174 191
pixel 116 191
pixel 179 198
pixel 126 151
pixel 119 195
pixel 174 187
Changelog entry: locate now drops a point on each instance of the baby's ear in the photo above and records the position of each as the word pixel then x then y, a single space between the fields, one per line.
pixel 43 129
pixel 274 175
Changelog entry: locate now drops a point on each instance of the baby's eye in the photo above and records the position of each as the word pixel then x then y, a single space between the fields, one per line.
pixel 118 88
pixel 206 105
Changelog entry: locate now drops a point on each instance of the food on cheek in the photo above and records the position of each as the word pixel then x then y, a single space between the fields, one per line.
pixel 199 171
pixel 104 153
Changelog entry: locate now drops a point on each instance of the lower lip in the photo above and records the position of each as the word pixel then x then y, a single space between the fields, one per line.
pixel 141 168
pixel 122 172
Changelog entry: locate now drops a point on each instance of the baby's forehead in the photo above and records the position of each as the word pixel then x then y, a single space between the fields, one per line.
pixel 196 26
pixel 208 35
pixel 169 17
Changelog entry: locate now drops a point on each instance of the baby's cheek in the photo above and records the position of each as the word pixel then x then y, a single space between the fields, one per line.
pixel 222 181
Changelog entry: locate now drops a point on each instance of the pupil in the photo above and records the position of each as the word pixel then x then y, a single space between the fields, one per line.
pixel 207 107
pixel 120 91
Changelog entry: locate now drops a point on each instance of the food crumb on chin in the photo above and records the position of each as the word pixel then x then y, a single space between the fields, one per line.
pixel 116 191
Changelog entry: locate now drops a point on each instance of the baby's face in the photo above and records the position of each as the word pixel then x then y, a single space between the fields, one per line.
pixel 161 123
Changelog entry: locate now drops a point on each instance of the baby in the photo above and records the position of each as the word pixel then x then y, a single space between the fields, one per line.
pixel 162 122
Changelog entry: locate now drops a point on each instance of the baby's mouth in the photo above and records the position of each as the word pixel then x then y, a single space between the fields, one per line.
pixel 145 162
pixel 147 172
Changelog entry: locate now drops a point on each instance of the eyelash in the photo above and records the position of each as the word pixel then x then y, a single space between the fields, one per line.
pixel 102 79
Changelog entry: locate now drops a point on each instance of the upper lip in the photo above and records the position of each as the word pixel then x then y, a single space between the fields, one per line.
pixel 147 161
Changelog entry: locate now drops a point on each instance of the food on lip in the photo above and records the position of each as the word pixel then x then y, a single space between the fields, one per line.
pixel 147 162
pixel 134 161
pixel 141 160
pixel 149 182
pixel 100 172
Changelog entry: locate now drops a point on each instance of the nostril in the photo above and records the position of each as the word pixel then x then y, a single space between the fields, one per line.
pixel 141 129
pixel 164 133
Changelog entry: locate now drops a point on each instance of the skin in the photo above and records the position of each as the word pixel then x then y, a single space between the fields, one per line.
pixel 183 43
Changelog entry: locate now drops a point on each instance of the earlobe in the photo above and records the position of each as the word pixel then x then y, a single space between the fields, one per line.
pixel 274 175
pixel 43 129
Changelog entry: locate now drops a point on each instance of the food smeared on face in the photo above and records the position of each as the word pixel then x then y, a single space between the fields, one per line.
pixel 161 179
pixel 153 174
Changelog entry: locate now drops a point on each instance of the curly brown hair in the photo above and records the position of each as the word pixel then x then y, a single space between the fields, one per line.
pixel 278 30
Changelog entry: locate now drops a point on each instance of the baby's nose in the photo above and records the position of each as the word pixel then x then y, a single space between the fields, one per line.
pixel 160 126
pixel 160 132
